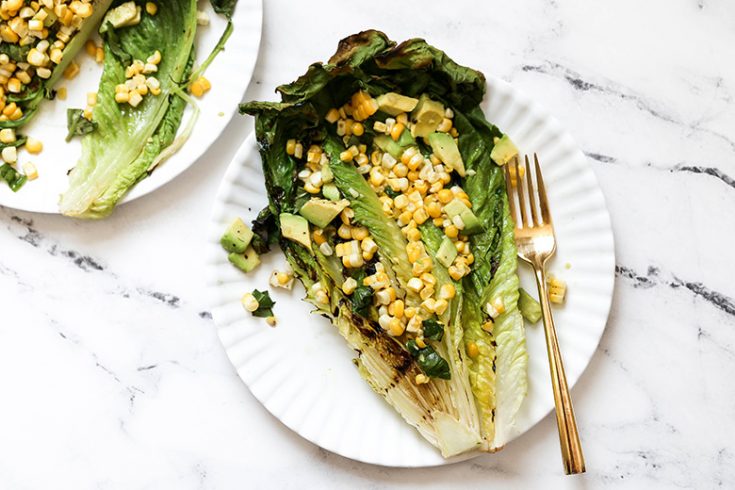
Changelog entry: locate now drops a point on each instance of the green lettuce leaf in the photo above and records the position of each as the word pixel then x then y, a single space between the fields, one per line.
pixel 480 397
pixel 129 139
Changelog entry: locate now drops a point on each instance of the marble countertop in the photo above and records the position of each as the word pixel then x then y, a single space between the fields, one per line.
pixel 112 375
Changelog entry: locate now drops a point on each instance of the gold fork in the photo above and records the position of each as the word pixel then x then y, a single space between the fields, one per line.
pixel 535 240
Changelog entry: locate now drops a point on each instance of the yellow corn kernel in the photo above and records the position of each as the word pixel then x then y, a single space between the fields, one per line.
pixel 470 258
pixel 445 126
pixel 422 265
pixel 71 71
pixel 346 156
pixel 9 109
pixel 9 154
pixel 14 85
pixel 134 99
pixel 122 97
pixel 420 216
pixel 358 129
pixel 99 55
pixel 421 186
pixel 30 171
pixel 344 232
pixel 421 379
pixel 440 306
pixel 396 328
pixel 349 286
pixel 318 236
pixel 56 56
pixel 413 235
pixel 61 93
pixel 397 130
pixel 33 146
pixel 91 48
pixel 151 8
pixel 455 272
pixel 488 326
pixel 415 161
pixel 7 135
pixel 445 196
pixel 290 146
pixel 413 176
pixel 92 98
pixel 8 35
pixel 398 308
pixel 12 5
pixel 447 291
pixel 359 233
pixel 249 302
pixel 472 350
pixel 451 231
pixel 196 89
pixel 332 116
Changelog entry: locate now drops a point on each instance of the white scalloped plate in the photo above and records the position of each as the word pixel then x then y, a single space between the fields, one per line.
pixel 229 73
pixel 301 371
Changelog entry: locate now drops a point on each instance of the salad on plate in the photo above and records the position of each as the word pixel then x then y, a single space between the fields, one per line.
pixel 387 197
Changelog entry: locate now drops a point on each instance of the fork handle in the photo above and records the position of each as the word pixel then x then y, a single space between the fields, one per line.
pixel 571 448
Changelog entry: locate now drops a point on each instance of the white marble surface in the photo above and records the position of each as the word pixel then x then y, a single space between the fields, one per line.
pixel 112 376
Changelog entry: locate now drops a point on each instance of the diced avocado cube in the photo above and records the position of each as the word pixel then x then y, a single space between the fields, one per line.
pixel 127 14
pixel 447 252
pixel 320 212
pixel 504 150
pixel 472 225
pixel 405 139
pixel 295 228
pixel 393 103
pixel 456 207
pixel 246 261
pixel 444 147
pixel 426 117
pixel 327 175
pixel 237 237
pixel 386 144
pixel 528 306
pixel 331 192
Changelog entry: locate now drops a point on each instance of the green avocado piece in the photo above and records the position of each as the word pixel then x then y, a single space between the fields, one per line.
pixel 447 252
pixel 295 228
pixel 320 212
pixel 504 150
pixel 426 117
pixel 393 103
pixel 457 208
pixel 127 14
pixel 327 175
pixel 246 261
pixel 528 306
pixel 444 147
pixel 237 237
pixel 331 192
pixel 406 140
pixel 386 144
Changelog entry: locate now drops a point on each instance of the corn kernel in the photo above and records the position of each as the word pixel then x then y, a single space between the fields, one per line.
pixel 90 47
pixel 134 99
pixel 396 132
pixel 440 306
pixel 488 326
pixel 349 286
pixel 122 97
pixel 344 232
pixel 415 284
pixel 447 291
pixel 33 145
pixel 30 171
pixel 472 350
pixel 7 135
pixel 151 8
pixel 71 71
pixel 451 231
pixel 9 154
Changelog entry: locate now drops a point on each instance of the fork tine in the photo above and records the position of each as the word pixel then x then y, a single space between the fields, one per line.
pixel 543 200
pixel 521 196
pixel 535 218
pixel 511 194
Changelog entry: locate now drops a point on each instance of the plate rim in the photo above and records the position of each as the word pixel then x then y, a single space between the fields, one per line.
pixel 253 34
pixel 606 232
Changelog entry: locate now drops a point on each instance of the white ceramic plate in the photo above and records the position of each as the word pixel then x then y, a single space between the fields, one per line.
pixel 230 74
pixel 301 370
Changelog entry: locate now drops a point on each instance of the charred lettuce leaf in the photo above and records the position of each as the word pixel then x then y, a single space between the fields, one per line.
pixel 466 399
